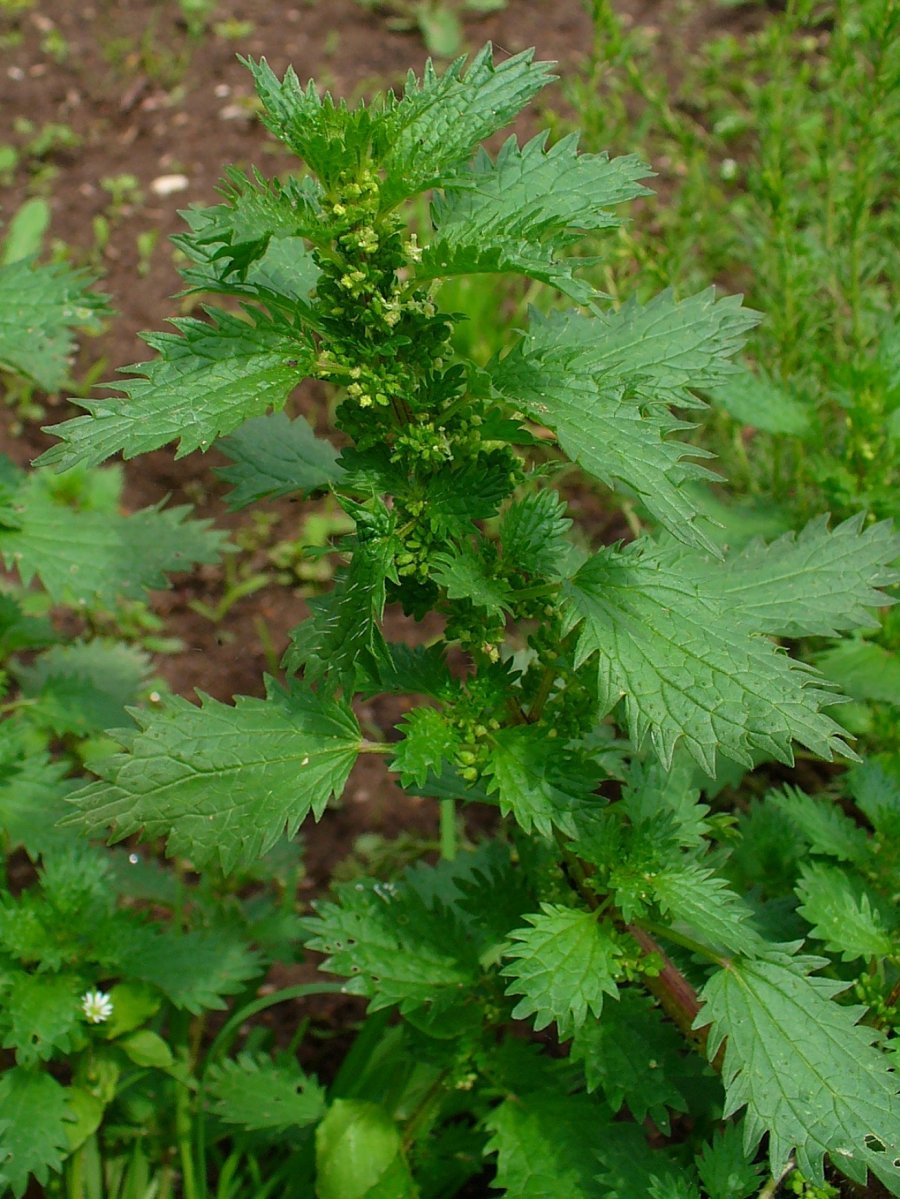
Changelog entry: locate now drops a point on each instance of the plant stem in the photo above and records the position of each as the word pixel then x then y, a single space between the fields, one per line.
pixel 448 829
pixel 676 995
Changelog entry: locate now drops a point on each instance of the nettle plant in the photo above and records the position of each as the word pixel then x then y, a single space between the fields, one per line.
pixel 591 695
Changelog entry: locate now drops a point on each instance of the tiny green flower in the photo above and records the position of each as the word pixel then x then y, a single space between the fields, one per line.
pixel 97 1006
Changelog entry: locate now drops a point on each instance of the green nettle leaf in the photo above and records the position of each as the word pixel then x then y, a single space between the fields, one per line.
pixel 438 122
pixel 465 574
pixel 497 216
pixel 817 582
pixel 85 686
pixel 724 1168
pixel 195 970
pixel 429 741
pixel 821 823
pixel 40 306
pixel 602 382
pixel 548 1145
pixel 258 1093
pixel 634 1057
pixel 85 556
pixel 875 787
pixel 275 456
pixel 563 966
pixel 533 534
pixel 693 895
pixel 396 946
pixel 33 1108
pixel 862 670
pixel 807 1072
pixel 40 1015
pixel 32 802
pixel 755 398
pixel 223 783
pixel 844 916
pixel 542 785
pixel 688 668
pixel 208 379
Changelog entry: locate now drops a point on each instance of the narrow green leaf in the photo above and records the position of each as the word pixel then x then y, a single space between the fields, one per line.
pixel 822 824
pixel 755 398
pixel 224 783
pixel 694 895
pixel 724 1168
pixel 844 917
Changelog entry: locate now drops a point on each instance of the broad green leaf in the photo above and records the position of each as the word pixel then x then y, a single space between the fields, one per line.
pixel 499 216
pixel 429 740
pixel 724 1168
pixel 655 795
pixel 631 1167
pixel 539 782
pixel 359 1154
pixel 275 456
pixel 863 670
pixel 756 399
pixel 563 965
pixel 807 1072
pixel 40 306
pixel 94 557
pixel 694 895
pixel 195 970
pixel 40 1016
pixel 821 823
pixel 548 1145
pixel 206 381
pixel 817 582
pixel 844 917
pixel 33 1107
pixel 258 1093
pixel 147 1048
pixel 84 687
pixel 438 122
pixel 223 783
pixel 688 667
pixel 633 1056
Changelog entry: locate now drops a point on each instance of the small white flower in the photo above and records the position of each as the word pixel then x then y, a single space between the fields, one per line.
pixel 97 1006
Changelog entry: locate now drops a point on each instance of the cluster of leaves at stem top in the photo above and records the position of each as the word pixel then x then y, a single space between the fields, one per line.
pixel 654 664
